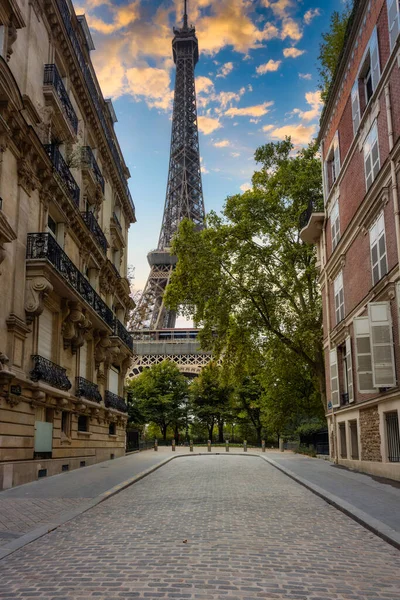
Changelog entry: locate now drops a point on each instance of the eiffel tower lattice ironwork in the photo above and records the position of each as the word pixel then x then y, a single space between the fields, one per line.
pixel 184 198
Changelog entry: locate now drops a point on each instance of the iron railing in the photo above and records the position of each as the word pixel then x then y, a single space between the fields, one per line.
pixel 94 227
pixel 62 169
pixel 123 334
pixel 113 401
pixel 117 221
pixel 52 77
pixel 43 246
pixel 393 436
pixel 97 99
pixel 87 389
pixel 306 215
pixel 90 162
pixel 49 372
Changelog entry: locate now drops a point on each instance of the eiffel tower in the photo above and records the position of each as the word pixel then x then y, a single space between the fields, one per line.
pixel 155 336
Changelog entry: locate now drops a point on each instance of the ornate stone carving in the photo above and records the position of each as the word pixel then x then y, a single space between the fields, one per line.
pixel 36 290
pixel 102 343
pixel 26 176
pixel 75 325
pixel 5 376
pixel 11 38
pixel 7 235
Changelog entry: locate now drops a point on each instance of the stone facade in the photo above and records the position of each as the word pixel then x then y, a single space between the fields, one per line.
pixel 357 236
pixel 370 437
pixel 65 210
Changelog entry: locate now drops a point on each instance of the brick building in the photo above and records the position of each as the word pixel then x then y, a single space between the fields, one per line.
pixel 65 210
pixel 358 242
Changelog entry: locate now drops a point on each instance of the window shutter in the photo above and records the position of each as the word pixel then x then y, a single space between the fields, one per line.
pixel 375 66
pixel 363 355
pixel 336 154
pixel 335 225
pixel 45 341
pixel 334 378
pixel 380 322
pixel 83 353
pixel 355 106
pixel 113 378
pixel 349 364
pixel 393 16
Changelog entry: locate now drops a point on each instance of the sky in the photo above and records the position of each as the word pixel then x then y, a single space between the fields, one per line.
pixel 256 82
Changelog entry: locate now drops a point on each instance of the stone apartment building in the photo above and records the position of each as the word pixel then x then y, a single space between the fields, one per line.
pixel 65 210
pixel 358 242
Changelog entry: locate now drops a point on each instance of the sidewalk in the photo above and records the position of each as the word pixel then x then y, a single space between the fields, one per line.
pixel 372 501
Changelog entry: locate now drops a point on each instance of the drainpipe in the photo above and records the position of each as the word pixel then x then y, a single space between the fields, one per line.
pixel 393 169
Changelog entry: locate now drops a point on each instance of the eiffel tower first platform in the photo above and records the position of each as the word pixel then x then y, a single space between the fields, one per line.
pixel 155 337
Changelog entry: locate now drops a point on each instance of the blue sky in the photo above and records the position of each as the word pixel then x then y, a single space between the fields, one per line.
pixel 256 82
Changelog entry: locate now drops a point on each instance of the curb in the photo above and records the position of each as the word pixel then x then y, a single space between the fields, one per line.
pixel 42 530
pixel 389 535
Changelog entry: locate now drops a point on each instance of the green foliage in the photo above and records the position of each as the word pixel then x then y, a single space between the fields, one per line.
pixel 159 395
pixel 331 47
pixel 251 283
pixel 307 450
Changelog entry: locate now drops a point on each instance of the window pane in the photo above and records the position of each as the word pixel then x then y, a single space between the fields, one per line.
pixel 374 254
pixel 375 274
pixel 383 264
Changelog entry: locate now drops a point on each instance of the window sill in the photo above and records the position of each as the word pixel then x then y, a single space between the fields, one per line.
pixel 112 436
pixel 85 433
pixel 65 439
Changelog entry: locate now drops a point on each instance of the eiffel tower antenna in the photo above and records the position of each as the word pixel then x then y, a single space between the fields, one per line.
pixel 185 17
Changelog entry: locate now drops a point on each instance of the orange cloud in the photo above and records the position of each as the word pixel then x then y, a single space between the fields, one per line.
pixel 270 66
pixel 222 144
pixel 292 52
pixel 208 125
pixel 314 100
pixel 299 134
pixel 258 110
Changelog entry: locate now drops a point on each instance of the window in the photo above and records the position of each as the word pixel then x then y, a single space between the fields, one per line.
pixel 370 72
pixel 332 164
pixel 371 155
pixel 355 106
pixel 353 440
pixel 380 324
pixel 392 436
pixel 113 380
pixel 117 259
pixel 66 423
pixel 334 376
pixel 52 226
pixel 378 249
pixel 342 439
pixel 394 20
pixel 335 225
pixel 83 423
pixel 83 359
pixel 339 298
pixel 112 429
pixel 347 395
pixel 45 334
pixel 363 355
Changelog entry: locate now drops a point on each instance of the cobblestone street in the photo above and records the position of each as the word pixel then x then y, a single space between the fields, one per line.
pixel 211 527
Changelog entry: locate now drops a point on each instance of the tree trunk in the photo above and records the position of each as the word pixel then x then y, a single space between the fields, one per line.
pixel 210 431
pixel 221 431
pixel 164 431
pixel 176 433
pixel 259 434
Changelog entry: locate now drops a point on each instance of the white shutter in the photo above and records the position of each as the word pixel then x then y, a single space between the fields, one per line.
pixel 363 355
pixel 349 365
pixel 380 322
pixel 326 181
pixel 83 354
pixel 45 340
pixel 335 225
pixel 355 106
pixel 336 154
pixel 334 378
pixel 374 53
pixel 393 16
pixel 113 377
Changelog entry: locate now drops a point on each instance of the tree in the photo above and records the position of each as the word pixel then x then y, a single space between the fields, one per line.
pixel 159 394
pixel 209 398
pixel 332 46
pixel 247 278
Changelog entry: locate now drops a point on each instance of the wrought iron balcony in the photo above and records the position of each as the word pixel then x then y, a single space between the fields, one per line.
pixel 49 372
pixel 123 334
pixel 42 246
pixel 95 228
pixel 89 161
pixel 97 99
pixel 52 77
pixel 87 389
pixel 117 221
pixel 62 169
pixel 113 401
pixel 310 223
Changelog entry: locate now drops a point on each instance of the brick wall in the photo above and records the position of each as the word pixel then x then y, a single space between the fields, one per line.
pixel 369 434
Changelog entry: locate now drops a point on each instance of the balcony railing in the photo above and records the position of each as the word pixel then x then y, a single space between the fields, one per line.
pixel 52 77
pixel 306 215
pixel 97 99
pixel 95 228
pixel 123 334
pixel 113 401
pixel 87 389
pixel 117 221
pixel 43 246
pixel 62 169
pixel 90 162
pixel 49 372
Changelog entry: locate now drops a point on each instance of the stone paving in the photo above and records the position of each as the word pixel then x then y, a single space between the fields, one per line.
pixel 211 528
